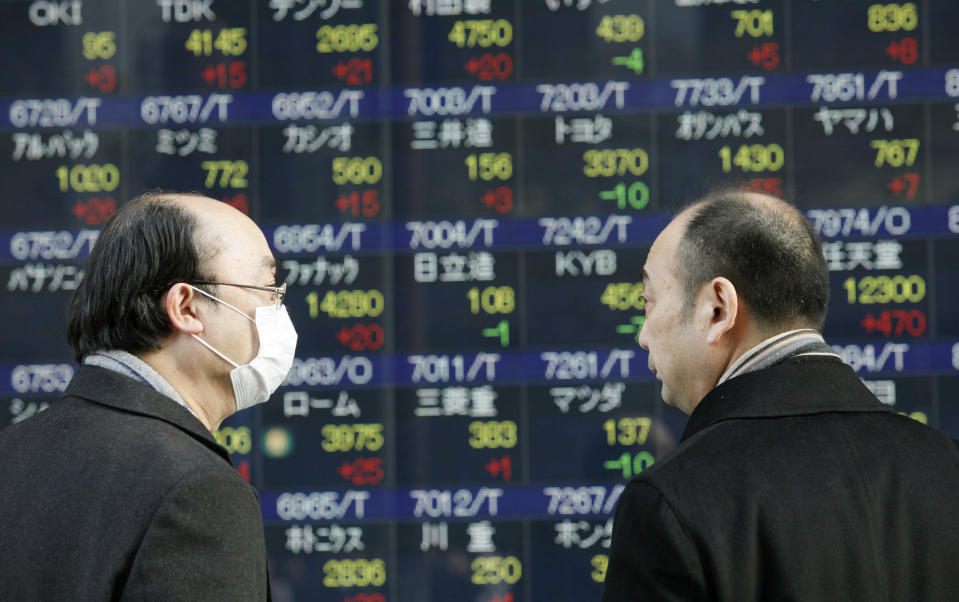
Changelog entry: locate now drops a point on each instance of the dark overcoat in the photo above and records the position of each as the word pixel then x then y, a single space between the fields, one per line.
pixel 792 483
pixel 116 492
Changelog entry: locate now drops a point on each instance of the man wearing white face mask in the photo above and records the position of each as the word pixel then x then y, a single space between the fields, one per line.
pixel 254 382
pixel 119 490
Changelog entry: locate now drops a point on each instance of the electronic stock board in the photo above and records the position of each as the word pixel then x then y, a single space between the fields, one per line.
pixel 460 195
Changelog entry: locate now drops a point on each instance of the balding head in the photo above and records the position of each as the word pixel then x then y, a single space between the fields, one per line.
pixel 237 249
pixel 154 240
pixel 729 272
pixel 765 247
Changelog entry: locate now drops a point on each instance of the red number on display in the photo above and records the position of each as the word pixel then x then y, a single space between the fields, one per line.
pixel 95 210
pixel 355 71
pixel 362 471
pixel 361 337
pixel 230 74
pixel 765 56
pixel 500 468
pixel 906 184
pixel 103 78
pixel 490 66
pixel 896 322
pixel 773 186
pixel 500 199
pixel 358 203
pixel 366 598
pixel 905 51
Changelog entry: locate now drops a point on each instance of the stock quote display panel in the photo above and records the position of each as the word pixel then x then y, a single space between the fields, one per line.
pixel 460 195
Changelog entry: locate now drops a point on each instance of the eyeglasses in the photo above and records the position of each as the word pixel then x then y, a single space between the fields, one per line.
pixel 279 292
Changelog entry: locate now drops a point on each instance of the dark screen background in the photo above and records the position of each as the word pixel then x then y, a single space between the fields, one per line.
pixel 461 195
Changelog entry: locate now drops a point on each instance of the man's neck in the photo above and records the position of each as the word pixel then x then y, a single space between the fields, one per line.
pixel 191 388
pixel 133 366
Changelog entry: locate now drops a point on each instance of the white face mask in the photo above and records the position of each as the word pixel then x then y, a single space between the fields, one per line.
pixel 253 383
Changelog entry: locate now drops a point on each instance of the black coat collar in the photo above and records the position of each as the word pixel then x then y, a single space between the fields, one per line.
pixel 109 388
pixel 795 387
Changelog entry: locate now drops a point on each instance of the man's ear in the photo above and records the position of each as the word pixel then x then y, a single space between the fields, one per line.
pixel 181 303
pixel 722 302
